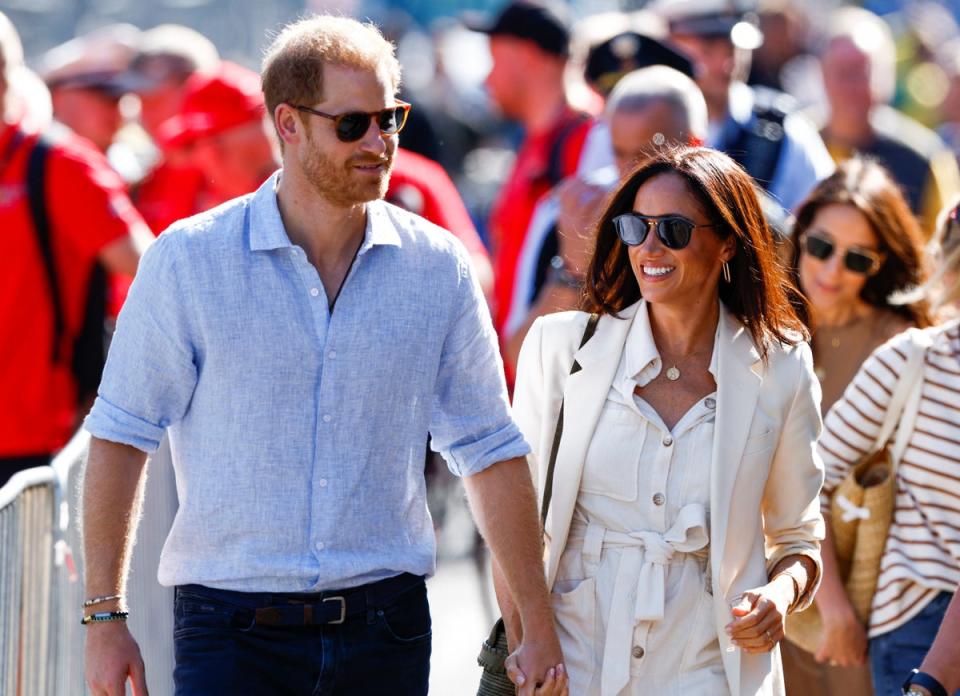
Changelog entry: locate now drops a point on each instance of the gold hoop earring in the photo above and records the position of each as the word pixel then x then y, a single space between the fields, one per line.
pixel 726 271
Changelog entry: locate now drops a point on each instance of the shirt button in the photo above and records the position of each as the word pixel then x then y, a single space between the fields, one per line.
pixel 332 355
pixel 667 441
pixel 314 292
pixel 327 418
pixel 659 499
pixel 711 402
pixel 637 651
pixel 320 546
pixel 322 483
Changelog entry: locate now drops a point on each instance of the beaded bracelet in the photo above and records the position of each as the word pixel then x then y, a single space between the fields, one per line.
pixel 104 616
pixel 100 600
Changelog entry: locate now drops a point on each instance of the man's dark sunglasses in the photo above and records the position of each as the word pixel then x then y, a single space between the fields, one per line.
pixel 857 259
pixel 673 231
pixel 351 126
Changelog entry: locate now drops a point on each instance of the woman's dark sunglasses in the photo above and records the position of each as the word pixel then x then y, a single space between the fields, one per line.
pixel 858 260
pixel 672 230
pixel 352 126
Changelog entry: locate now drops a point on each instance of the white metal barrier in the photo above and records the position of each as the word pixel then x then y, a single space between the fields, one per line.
pixel 41 571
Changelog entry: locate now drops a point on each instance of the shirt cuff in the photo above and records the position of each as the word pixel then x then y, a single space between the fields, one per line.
pixel 110 422
pixel 468 459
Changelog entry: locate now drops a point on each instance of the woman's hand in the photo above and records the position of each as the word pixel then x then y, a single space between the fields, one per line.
pixel 556 684
pixel 844 640
pixel 758 616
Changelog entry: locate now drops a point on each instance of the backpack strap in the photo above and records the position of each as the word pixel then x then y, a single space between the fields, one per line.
pixel 36 194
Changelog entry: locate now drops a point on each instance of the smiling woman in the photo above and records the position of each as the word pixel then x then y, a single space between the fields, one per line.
pixel 671 563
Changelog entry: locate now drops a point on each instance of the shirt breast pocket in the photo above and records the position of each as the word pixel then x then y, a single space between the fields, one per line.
pixel 612 466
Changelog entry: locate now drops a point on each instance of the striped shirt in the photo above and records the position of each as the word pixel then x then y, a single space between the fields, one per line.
pixel 922 556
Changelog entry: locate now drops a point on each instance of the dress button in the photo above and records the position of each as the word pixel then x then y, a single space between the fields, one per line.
pixel 637 651
pixel 711 402
pixel 322 483
pixel 667 441
pixel 327 418
pixel 314 292
pixel 659 499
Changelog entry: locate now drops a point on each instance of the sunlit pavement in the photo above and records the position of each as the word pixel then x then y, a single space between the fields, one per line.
pixel 457 595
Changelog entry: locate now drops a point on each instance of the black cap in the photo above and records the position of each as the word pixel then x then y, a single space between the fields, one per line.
pixel 610 60
pixel 546 24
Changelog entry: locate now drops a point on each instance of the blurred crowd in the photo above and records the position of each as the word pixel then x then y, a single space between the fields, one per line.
pixel 523 120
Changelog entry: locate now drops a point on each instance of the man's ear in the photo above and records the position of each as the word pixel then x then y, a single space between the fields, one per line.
pixel 287 123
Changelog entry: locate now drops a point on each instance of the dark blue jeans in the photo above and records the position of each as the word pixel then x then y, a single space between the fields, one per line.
pixel 894 654
pixel 222 648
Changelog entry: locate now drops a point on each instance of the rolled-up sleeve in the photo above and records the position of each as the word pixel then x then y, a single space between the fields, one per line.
pixel 151 369
pixel 471 422
pixel 792 521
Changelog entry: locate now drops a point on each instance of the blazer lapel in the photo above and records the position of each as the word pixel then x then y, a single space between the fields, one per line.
pixel 740 375
pixel 584 395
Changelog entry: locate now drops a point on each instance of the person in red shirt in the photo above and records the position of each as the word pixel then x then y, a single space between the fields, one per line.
pixel 221 122
pixel 529 46
pixel 420 185
pixel 90 219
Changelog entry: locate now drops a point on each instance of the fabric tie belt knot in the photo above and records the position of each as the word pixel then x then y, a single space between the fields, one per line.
pixel 639 592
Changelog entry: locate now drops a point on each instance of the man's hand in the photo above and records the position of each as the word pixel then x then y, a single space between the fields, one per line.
pixel 844 640
pixel 112 656
pixel 538 656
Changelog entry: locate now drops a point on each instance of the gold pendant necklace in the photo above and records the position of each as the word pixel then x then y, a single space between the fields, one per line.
pixel 673 374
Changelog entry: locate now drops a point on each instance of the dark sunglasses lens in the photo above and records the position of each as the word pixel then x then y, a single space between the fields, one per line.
pixel 389 120
pixel 818 248
pixel 674 232
pixel 631 229
pixel 857 262
pixel 351 127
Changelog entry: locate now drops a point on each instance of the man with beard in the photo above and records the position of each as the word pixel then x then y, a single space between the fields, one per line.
pixel 299 344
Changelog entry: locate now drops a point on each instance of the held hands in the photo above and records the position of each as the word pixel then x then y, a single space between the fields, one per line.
pixel 112 655
pixel 536 667
pixel 758 616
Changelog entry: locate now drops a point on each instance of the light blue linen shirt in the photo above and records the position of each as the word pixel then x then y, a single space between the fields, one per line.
pixel 298 435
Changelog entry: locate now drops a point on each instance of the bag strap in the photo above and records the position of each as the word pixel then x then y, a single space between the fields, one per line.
pixel 548 484
pixel 36 194
pixel 911 408
pixel 907 390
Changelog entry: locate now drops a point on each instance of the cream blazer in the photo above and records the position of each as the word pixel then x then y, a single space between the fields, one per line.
pixel 765 475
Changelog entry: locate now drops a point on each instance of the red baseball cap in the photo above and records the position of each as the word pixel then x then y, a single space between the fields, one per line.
pixel 213 103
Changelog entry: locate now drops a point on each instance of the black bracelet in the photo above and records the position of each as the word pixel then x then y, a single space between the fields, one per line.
pixel 101 616
pixel 923 679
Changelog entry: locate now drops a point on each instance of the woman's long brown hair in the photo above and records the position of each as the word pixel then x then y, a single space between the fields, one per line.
pixel 868 187
pixel 760 294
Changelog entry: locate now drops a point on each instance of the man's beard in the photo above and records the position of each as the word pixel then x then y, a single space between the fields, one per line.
pixel 341 184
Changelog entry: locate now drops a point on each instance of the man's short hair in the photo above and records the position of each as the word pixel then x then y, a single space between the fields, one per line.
pixel 293 65
pixel 871 35
pixel 657 84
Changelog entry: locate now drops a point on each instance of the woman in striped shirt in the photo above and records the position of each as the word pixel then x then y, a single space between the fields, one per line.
pixel 920 568
pixel 855 243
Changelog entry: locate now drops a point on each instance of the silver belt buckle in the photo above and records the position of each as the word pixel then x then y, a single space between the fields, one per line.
pixel 343 608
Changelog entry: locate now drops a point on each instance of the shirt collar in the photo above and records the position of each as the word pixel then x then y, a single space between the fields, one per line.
pixel 641 362
pixel 267 231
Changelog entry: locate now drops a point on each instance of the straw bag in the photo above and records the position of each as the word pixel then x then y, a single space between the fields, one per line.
pixel 861 507
pixel 494 652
